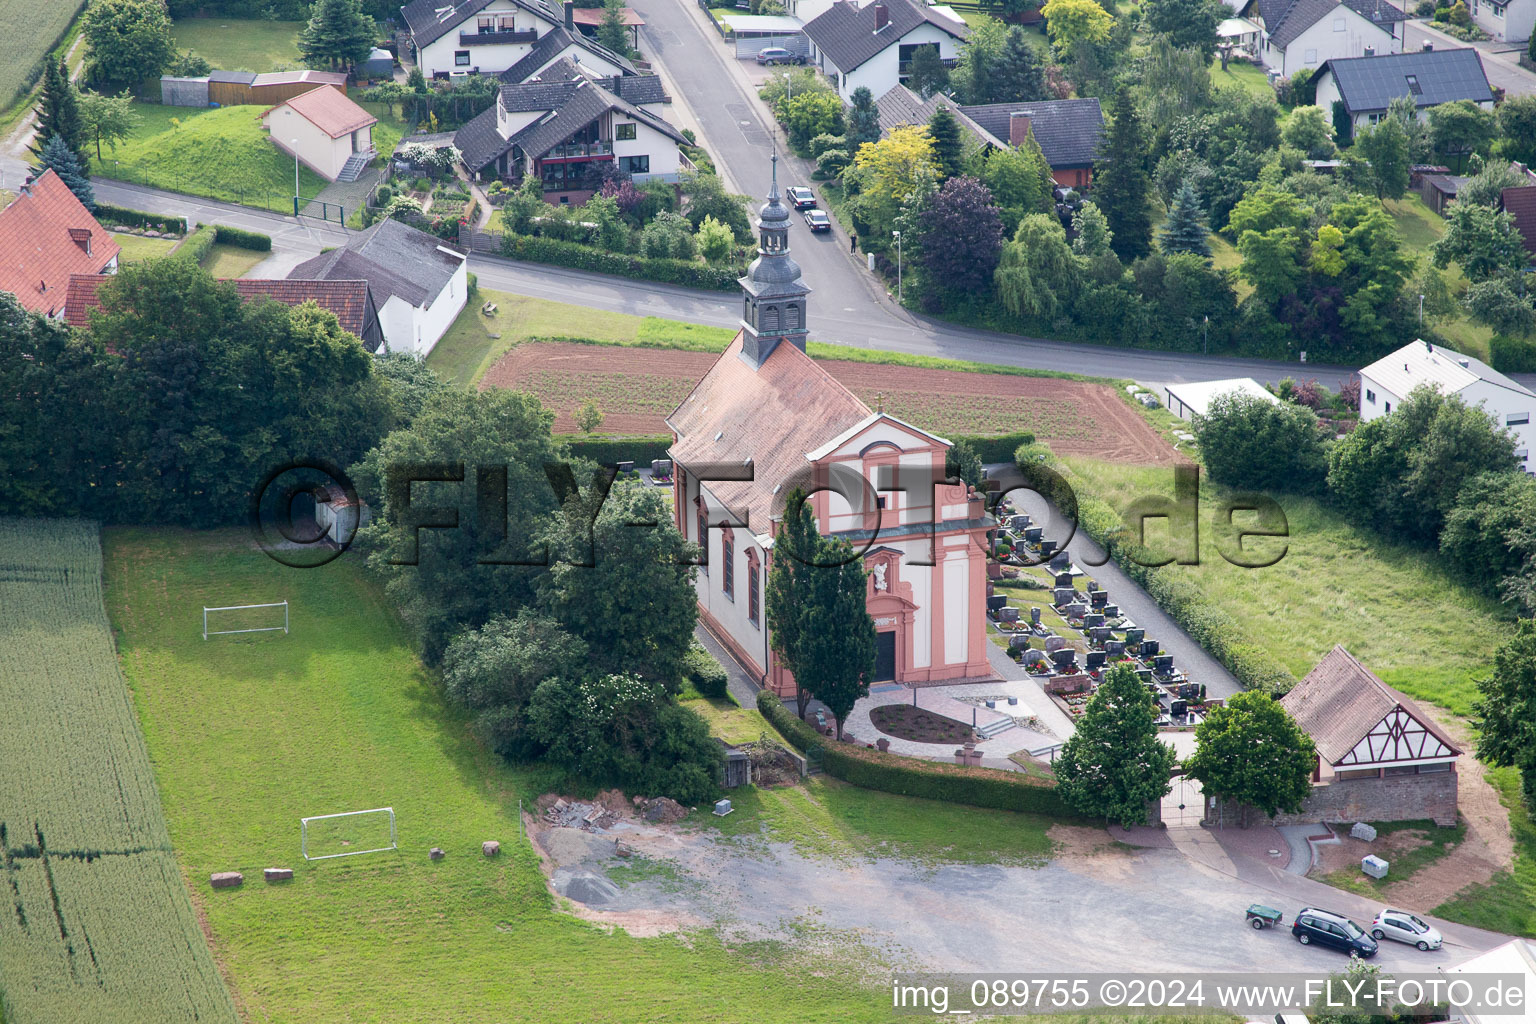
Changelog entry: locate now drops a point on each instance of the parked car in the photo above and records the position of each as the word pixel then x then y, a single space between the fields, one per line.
pixel 778 55
pixel 817 220
pixel 1333 930
pixel 1405 927
pixel 802 197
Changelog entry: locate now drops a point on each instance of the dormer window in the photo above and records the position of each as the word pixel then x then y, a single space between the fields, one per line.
pixel 1413 85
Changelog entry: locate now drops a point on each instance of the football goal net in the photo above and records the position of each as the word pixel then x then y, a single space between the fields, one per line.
pixel 347 834
pixel 245 618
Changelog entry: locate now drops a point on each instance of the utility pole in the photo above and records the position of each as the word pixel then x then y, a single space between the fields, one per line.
pixel 897 235
pixel 1205 346
pixel 295 144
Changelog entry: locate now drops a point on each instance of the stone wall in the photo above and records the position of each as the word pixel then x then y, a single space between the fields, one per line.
pixel 1394 798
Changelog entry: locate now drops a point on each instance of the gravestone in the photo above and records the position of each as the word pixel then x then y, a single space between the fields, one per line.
pixel 1162 664
pixel 1034 616
pixel 1134 636
pixel 996 601
pixel 1033 534
pixel 1018 522
pixel 1047 547
pixel 1093 586
pixel 1061 562
pixel 1145 675
pixel 1114 648
pixel 1008 614
pixel 1062 595
pixel 661 467
pixel 1098 598
pixel 1178 708
pixel 1099 634
pixel 1095 660
pixel 1075 610
pixel 1018 642
pixel 1149 648
pixel 1064 657
pixel 1111 611
pixel 1064 579
pixel 1092 619
pixel 626 467
pixel 1054 644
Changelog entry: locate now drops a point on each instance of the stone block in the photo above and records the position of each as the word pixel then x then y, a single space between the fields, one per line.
pixel 436 853
pixel 490 847
pixel 225 879
pixel 277 874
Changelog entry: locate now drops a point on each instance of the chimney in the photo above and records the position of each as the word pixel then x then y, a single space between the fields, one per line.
pixel 1018 127
pixel 1428 46
pixel 570 15
pixel 882 16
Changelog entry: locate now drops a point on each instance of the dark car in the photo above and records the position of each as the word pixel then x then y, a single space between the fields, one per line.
pixel 801 197
pixel 778 55
pixel 817 220
pixel 1333 930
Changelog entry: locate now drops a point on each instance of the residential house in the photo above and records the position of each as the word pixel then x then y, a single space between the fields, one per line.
pixel 1068 131
pixel 1516 958
pixel 1387 383
pixel 1367 85
pixel 418 282
pixel 564 43
pixel 1380 757
pixel 351 301
pixel 475 37
pixel 1508 21
pixel 766 419
pixel 325 130
pixel 1298 34
pixel 46 236
pixel 565 127
pixel 873 45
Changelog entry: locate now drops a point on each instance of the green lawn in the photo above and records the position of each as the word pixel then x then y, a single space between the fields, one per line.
pixel 1248 77
pixel 1508 903
pixel 226 261
pixel 220 153
pixel 1441 841
pixel 1394 608
pixel 137 247
pixel 232 44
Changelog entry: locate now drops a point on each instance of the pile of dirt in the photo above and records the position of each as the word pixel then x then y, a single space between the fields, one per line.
pixel 564 813
pixel 661 810
pixel 772 765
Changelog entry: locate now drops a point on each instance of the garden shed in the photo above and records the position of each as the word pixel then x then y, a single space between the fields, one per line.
pixel 177 91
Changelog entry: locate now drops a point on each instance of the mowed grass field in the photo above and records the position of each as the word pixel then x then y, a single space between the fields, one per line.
pixel 1394 608
pixel 95 923
pixel 248 734
pixel 27 30
pixel 234 44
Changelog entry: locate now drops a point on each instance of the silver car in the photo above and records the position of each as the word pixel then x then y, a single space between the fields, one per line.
pixel 1405 927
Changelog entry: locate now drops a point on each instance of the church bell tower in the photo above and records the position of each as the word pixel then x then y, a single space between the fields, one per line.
pixel 773 295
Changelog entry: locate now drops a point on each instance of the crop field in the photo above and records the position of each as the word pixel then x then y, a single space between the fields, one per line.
pixel 95 921
pixel 27 30
pixel 637 387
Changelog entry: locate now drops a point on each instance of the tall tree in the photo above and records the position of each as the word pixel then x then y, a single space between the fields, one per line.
pixel 1036 272
pixel 791 589
pixel 1186 23
pixel 1384 146
pixel 1071 22
pixel 976 77
pixel 926 74
pixel 612 32
pixel 1020 73
pixel 58 113
pixel 1484 242
pixel 126 42
pixel 863 120
pixel 961 238
pixel 1091 234
pixel 108 119
pixel 1114 765
pixel 1020 182
pixel 948 145
pixel 1252 752
pixel 838 634
pixel 1185 229
pixel 1307 130
pixel 1121 182
pixel 1252 444
pixel 888 172
pixel 338 33
pixel 1459 129
pixel 1506 714
pixel 1517 126
pixel 493 671
pixel 58 156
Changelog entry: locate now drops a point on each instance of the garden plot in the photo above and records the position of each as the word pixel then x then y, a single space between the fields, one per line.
pixel 636 388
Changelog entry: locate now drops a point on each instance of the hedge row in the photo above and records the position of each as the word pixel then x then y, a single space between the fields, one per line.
pixel 1512 355
pixel 998 448
pixel 1207 624
pixel 585 257
pixel 905 776
pixel 197 245
pixel 609 450
pixel 121 215
pixel 241 238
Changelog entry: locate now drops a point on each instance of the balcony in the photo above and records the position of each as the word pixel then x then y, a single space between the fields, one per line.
pixel 522 35
pixel 580 149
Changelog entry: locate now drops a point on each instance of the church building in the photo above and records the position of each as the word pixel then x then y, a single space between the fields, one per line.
pixel 767 419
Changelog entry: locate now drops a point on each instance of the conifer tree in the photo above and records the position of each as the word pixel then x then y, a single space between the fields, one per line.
pixel 58 113
pixel 58 155
pixel 1121 183
pixel 612 33
pixel 863 120
pixel 338 33
pixel 948 148
pixel 1185 229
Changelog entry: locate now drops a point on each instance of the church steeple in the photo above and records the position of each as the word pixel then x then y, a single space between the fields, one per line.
pixel 773 303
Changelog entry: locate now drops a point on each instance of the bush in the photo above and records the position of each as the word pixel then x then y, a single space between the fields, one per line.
pixel 819 144
pixel 930 780
pixel 580 257
pixel 833 162
pixel 197 245
pixel 607 451
pixel 706 674
pixel 1250 443
pixel 1512 355
pixel 120 215
pixel 998 448
pixel 241 238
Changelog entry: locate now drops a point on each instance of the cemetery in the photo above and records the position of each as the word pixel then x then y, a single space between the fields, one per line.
pixel 1066 630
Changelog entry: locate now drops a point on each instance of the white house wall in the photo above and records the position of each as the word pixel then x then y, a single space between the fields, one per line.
pixel 1513 25
pixel 435 320
pixel 957 593
pixel 1339 33
pixel 1500 403
pixel 491 59
pixel 317 150
pixel 397 319
pixel 666 161
pixel 730 614
pixel 881 73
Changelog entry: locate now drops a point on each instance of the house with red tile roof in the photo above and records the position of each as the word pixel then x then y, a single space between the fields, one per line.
pixel 46 236
pixel 330 134
pixel 767 419
pixel 351 301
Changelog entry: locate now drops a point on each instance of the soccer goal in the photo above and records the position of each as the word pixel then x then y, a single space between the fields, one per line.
pixel 325 836
pixel 242 620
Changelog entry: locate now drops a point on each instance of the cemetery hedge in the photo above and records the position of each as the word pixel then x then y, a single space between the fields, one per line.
pixel 642 451
pixel 905 776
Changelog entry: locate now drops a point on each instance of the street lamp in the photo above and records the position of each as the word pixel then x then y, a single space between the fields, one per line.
pixel 1205 346
pixel 1421 311
pixel 789 84
pixel 295 144
pixel 897 235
